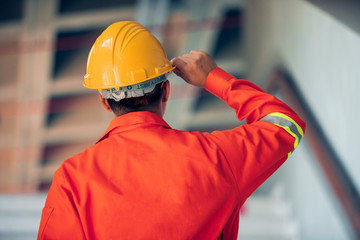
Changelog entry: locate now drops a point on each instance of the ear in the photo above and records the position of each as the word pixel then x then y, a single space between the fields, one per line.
pixel 166 91
pixel 105 103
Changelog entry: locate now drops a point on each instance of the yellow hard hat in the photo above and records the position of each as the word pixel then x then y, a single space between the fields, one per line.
pixel 126 53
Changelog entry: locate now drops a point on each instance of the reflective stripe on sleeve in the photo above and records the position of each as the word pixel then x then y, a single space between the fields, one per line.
pixel 286 123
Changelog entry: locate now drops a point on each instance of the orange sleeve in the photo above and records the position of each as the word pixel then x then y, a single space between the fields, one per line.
pixel 59 219
pixel 257 149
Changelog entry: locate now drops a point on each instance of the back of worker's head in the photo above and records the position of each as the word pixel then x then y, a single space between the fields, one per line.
pixel 149 102
pixel 128 66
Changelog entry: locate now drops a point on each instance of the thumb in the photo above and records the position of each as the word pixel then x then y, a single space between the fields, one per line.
pixel 179 73
pixel 179 63
pixel 180 66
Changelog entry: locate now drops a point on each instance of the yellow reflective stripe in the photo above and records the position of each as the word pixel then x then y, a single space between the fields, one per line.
pixel 297 140
pixel 287 124
pixel 289 119
pixel 291 133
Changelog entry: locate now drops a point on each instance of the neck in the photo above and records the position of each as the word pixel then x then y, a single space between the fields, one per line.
pixel 156 110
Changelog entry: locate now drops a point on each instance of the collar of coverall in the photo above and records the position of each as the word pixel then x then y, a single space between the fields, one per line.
pixel 131 121
pixel 136 90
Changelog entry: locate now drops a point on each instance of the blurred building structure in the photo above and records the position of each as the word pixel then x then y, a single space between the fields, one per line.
pixel 304 52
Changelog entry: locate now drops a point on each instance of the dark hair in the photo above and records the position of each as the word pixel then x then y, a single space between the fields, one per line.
pixel 148 102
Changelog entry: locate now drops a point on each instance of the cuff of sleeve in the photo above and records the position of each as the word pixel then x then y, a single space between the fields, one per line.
pixel 216 81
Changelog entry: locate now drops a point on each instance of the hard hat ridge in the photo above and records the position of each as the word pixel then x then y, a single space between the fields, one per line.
pixel 131 30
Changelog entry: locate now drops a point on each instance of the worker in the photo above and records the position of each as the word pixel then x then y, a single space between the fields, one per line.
pixel 144 180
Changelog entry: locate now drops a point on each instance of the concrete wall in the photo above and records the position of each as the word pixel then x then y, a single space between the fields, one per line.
pixel 319 215
pixel 322 55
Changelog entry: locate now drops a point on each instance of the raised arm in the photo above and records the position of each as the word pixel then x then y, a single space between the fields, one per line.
pixel 254 151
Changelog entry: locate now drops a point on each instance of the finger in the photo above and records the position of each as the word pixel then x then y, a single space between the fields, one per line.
pixel 179 73
pixel 198 52
pixel 179 63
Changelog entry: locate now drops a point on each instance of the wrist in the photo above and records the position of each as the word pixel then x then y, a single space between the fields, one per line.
pixel 216 81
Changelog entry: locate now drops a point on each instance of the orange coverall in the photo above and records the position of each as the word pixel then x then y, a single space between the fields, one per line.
pixel 145 180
